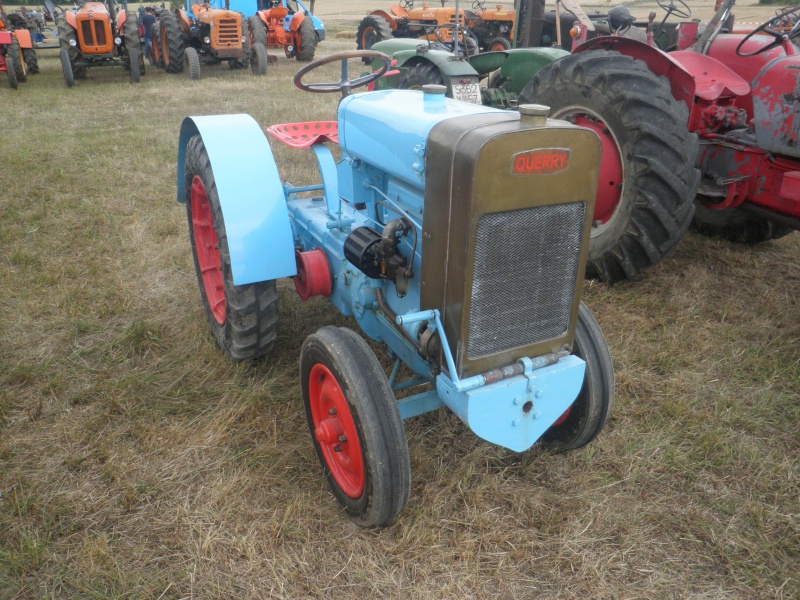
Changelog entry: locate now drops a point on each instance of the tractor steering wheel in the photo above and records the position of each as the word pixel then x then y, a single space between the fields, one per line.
pixel 468 40
pixel 684 12
pixel 766 28
pixel 345 84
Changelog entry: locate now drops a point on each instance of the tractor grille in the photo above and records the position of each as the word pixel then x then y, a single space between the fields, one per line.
pixel 94 33
pixel 228 33
pixel 526 262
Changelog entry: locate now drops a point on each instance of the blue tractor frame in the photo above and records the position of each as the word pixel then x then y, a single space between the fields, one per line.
pixel 370 237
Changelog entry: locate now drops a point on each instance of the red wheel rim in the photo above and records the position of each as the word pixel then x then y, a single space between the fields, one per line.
pixel 610 181
pixel 335 431
pixel 207 248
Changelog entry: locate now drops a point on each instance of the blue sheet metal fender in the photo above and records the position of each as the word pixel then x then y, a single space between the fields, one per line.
pixel 250 193
pixel 516 412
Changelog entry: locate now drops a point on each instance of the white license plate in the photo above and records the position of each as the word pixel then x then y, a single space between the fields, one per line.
pixel 467 92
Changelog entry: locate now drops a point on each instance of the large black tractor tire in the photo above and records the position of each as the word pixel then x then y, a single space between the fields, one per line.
pixel 31 61
pixel 258 63
pixel 589 413
pixel 308 40
pixel 371 30
pixel 736 225
pixel 192 60
pixel 258 31
pixel 20 68
pixel 355 426
pixel 649 129
pixel 172 46
pixel 243 318
pixel 66 69
pixel 130 32
pixel 11 73
pixel 423 73
pixel 66 37
pixel 246 49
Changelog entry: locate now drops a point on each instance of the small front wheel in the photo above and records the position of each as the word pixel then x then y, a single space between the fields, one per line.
pixel 355 425
pixel 583 421
pixel 192 64
pixel 66 68
pixel 258 63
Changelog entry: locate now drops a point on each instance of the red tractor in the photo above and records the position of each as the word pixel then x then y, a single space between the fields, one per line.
pixel 736 97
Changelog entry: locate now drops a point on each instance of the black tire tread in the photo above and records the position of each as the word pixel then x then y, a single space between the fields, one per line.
pixel 258 31
pixel 659 153
pixel 31 60
pixel 20 67
pixel 378 25
pixel 736 225
pixel 308 40
pixel 384 445
pixel 130 33
pixel 252 309
pixel 421 74
pixel 259 61
pixel 175 48
pixel 595 402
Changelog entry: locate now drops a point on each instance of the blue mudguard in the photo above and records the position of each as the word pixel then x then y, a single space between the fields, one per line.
pixel 250 193
pixel 515 412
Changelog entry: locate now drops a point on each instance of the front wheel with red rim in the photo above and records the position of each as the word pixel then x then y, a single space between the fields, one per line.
pixel 583 421
pixel 242 318
pixel 355 426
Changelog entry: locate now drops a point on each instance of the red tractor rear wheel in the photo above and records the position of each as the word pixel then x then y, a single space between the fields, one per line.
pixel 308 41
pixel 641 216
pixel 355 426
pixel 242 318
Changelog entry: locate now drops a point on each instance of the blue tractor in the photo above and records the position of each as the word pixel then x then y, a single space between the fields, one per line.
pixel 454 234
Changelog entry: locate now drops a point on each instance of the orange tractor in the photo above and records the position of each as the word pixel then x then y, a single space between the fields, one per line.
pixel 486 30
pixel 287 24
pixel 16 51
pixel 96 35
pixel 182 40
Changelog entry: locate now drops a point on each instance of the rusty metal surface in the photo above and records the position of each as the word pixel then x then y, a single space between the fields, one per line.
pixel 470 168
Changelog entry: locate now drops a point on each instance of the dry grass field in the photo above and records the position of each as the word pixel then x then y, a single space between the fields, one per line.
pixel 136 462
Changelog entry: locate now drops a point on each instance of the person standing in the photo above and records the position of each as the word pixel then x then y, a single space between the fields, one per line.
pixel 147 22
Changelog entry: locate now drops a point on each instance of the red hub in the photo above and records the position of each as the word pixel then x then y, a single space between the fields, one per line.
pixel 335 431
pixel 313 274
pixel 207 247
pixel 609 184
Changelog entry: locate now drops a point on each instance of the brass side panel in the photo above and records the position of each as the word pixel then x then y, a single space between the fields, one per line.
pixel 469 174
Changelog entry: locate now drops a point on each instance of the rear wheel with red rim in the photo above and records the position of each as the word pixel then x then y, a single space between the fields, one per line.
pixel 243 318
pixel 355 426
pixel 648 177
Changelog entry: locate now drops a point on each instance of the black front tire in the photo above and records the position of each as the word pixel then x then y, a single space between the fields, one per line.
pixel 589 413
pixel 135 65
pixel 736 225
pixel 31 60
pixel 246 326
pixel 192 61
pixel 66 69
pixel 657 152
pixel 258 64
pixel 367 405
pixel 11 73
pixel 308 40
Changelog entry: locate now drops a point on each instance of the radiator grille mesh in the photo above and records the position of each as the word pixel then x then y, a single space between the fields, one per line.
pixel 524 274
